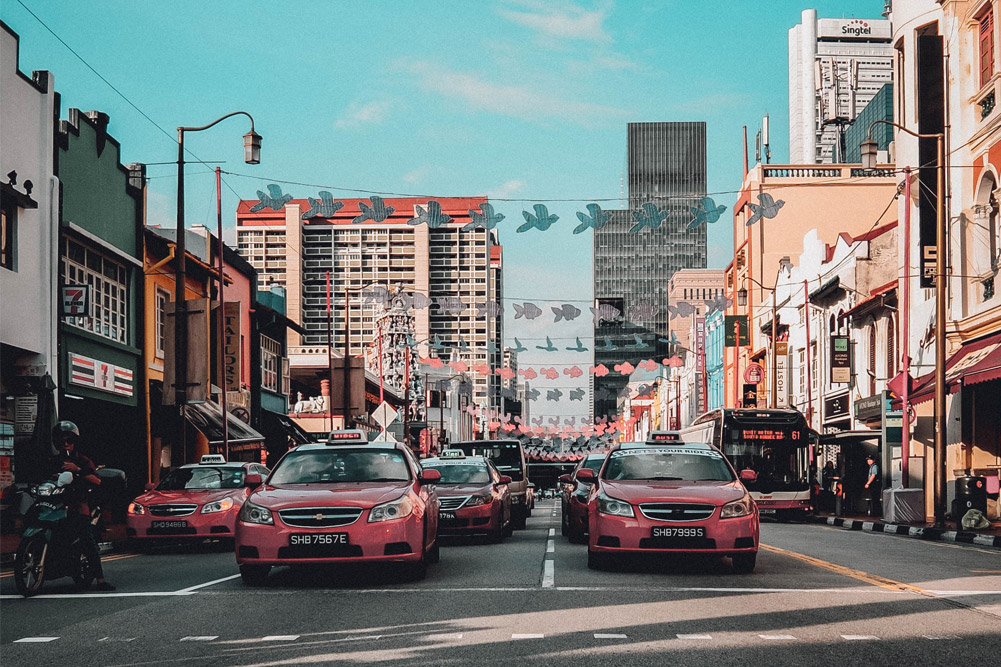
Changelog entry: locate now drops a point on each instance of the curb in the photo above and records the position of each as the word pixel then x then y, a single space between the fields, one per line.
pixel 919 532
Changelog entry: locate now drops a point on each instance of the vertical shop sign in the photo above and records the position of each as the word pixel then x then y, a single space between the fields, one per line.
pixel 231 345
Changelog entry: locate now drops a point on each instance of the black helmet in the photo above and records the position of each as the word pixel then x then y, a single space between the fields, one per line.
pixel 63 429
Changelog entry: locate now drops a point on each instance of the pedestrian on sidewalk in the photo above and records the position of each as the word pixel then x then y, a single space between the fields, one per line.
pixel 872 484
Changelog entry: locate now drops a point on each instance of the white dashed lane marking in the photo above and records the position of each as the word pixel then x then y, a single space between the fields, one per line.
pixel 445 637
pixel 548 574
pixel 552 532
pixel 859 638
pixel 603 635
pixel 528 636
pixel 777 637
pixel 200 638
pixel 35 640
pixel 550 547
pixel 280 638
pixel 694 636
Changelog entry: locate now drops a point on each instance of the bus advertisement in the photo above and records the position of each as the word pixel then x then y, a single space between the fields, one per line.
pixel 774 444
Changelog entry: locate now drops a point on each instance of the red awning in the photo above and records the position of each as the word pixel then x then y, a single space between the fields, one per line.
pixel 978 361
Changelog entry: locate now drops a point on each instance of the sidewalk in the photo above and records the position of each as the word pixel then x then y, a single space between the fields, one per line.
pixel 988 537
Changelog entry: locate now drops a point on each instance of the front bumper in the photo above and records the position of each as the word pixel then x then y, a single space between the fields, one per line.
pixel 469 520
pixel 723 537
pixel 191 526
pixel 401 540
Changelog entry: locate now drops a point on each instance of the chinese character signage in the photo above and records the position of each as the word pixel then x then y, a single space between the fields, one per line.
pixel 700 365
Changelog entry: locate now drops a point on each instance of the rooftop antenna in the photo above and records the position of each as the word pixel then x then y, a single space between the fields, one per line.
pixel 765 143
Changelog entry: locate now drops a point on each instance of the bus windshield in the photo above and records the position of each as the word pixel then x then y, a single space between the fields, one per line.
pixel 774 444
pixel 506 455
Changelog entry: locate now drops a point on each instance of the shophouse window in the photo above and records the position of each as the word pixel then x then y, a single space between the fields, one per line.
pixel 108 282
pixel 271 364
pixel 891 348
pixel 872 358
pixel 162 298
pixel 986 43
pixel 8 236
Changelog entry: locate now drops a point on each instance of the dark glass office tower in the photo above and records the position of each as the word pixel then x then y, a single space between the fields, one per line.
pixel 667 169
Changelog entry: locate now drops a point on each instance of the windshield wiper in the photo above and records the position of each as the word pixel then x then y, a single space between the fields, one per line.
pixel 666 479
pixel 383 479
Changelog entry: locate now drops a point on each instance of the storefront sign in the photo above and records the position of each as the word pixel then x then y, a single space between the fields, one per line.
pixel 732 326
pixel 25 410
pixel 700 365
pixel 835 407
pixel 232 349
pixel 841 360
pixel 100 375
pixel 75 300
pixel 6 474
pixel 870 408
pixel 782 380
pixel 754 373
pixel 750 396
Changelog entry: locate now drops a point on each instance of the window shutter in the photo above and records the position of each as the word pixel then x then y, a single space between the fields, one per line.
pixel 986 46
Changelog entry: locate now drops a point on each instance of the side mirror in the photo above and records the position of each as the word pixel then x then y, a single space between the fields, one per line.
pixel 505 479
pixel 149 486
pixel 586 475
pixel 65 478
pixel 430 477
pixel 564 479
pixel 253 480
pixel 748 476
pixel 531 485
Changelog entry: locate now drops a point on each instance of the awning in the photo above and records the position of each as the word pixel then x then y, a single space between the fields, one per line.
pixel 832 286
pixel 283 425
pixel 869 440
pixel 207 418
pixel 878 298
pixel 976 361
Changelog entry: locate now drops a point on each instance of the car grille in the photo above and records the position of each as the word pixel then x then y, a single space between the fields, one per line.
pixel 677 511
pixel 172 510
pixel 319 517
pixel 452 503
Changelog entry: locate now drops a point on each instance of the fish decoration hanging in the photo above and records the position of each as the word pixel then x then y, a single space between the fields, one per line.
pixel 720 304
pixel 625 368
pixel 450 305
pixel 377 212
pixel 599 371
pixel 528 373
pixel 326 207
pixel 649 365
pixel 566 312
pixel 433 217
pixel 766 208
pixel 489 309
pixel 650 217
pixel 550 373
pixel 682 309
pixel 527 310
pixel 542 220
pixel 595 218
pixel 484 219
pixel 275 199
pixel 707 212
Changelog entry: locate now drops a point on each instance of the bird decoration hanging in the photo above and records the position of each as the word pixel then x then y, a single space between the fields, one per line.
pixel 766 208
pixel 484 219
pixel 275 199
pixel 595 218
pixel 542 220
pixel 706 213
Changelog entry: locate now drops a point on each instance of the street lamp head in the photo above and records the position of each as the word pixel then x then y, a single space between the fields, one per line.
pixel 869 148
pixel 252 148
pixel 742 297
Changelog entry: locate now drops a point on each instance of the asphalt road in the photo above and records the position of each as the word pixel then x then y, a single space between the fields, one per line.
pixel 819 595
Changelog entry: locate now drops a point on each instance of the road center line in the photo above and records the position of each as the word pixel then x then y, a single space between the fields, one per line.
pixel 873 579
pixel 548 574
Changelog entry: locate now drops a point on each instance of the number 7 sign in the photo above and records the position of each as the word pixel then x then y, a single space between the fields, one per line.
pixel 75 300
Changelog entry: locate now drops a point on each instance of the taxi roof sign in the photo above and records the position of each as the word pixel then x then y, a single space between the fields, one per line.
pixel 351 435
pixel 664 436
pixel 212 458
pixel 452 454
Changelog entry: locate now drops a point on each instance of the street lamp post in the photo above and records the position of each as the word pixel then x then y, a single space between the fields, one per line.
pixel 251 155
pixel 869 148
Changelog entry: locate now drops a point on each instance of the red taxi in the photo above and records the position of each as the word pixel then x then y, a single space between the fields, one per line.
pixel 573 501
pixel 474 496
pixel 344 501
pixel 669 497
pixel 196 501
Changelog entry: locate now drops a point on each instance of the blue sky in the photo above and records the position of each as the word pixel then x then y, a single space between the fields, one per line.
pixel 515 99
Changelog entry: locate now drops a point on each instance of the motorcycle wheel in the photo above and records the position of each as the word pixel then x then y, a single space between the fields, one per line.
pixel 82 571
pixel 29 566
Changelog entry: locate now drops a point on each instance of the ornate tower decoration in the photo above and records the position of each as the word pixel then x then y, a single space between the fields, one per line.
pixel 396 347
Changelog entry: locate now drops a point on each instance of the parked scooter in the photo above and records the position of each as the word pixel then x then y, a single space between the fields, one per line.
pixel 53 542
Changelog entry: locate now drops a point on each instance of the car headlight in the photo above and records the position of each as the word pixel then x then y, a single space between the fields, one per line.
pixel 136 508
pixel 394 509
pixel 737 508
pixel 609 505
pixel 484 499
pixel 218 506
pixel 251 513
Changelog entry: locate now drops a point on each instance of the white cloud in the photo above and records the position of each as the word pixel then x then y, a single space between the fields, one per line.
pixel 567 22
pixel 510 100
pixel 417 175
pixel 506 190
pixel 359 114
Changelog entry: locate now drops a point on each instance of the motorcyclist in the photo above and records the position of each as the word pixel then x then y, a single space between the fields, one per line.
pixel 64 436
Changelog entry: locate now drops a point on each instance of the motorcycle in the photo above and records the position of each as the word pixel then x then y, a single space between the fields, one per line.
pixel 53 542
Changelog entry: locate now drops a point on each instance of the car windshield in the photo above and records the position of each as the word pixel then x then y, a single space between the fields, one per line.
pixel 336 465
pixel 453 472
pixel 202 478
pixel 594 463
pixel 668 463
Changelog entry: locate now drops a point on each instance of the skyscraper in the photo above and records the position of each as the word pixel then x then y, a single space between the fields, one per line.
pixel 633 261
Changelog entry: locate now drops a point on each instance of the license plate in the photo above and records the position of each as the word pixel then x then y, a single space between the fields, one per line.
pixel 169 524
pixel 308 539
pixel 446 515
pixel 762 510
pixel 667 531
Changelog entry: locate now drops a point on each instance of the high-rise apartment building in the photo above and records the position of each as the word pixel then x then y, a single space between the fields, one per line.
pixel 836 66
pixel 451 276
pixel 667 177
